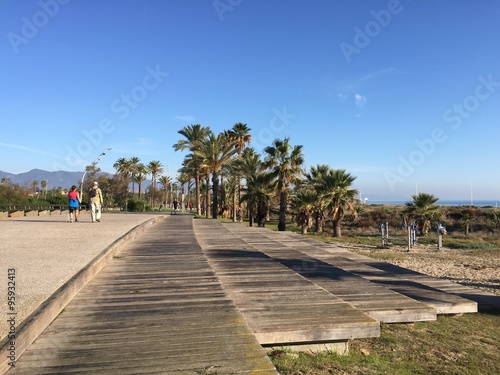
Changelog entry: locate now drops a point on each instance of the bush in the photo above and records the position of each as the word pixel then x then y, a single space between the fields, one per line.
pixel 136 205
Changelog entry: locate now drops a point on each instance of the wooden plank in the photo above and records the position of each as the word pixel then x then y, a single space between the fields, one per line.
pixel 144 317
pixel 377 301
pixel 275 301
pixel 434 292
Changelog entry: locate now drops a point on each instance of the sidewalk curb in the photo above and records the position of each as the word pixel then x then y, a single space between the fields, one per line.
pixel 30 328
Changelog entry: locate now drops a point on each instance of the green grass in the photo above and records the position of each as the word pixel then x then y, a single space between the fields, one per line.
pixel 459 345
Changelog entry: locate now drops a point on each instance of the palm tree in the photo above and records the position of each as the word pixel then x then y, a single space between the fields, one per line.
pixel 134 162
pixel 257 194
pixel 241 135
pixel 303 205
pixel 247 165
pixel 313 182
pixel 466 220
pixel 183 179
pixel 188 170
pixel 285 163
pixel 423 209
pixel 141 173
pixel 193 134
pixel 205 172
pixel 123 167
pixel 35 186
pixel 44 184
pixel 336 190
pixel 155 168
pixel 165 181
pixel 216 151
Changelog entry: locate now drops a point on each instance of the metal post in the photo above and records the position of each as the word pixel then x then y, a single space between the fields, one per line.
pixel 441 231
pixel 409 237
pixel 384 230
pixel 382 233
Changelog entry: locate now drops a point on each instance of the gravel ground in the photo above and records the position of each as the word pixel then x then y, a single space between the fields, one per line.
pixel 481 271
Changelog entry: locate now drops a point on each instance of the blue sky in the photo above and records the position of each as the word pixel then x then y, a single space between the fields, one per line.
pixel 404 95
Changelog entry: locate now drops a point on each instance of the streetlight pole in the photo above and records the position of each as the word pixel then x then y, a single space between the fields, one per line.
pixel 93 163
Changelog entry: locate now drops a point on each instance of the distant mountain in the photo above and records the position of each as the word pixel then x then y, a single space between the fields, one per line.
pixel 63 179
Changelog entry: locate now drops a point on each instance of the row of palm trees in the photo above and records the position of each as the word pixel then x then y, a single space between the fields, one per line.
pixel 132 170
pixel 259 181
pixel 212 154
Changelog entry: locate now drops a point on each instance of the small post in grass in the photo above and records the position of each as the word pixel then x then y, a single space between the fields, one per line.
pixel 384 231
pixel 441 231
pixel 412 235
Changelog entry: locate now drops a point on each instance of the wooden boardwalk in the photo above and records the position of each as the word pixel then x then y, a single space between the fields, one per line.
pixel 200 297
pixel 157 309
pixel 377 301
pixel 444 296
pixel 279 305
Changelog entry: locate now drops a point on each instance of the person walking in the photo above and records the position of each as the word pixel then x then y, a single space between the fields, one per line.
pixel 95 200
pixel 73 204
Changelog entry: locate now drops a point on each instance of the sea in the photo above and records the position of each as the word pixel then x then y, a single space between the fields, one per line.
pixel 468 203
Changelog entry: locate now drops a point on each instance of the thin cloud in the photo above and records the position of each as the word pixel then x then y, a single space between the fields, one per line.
pixel 186 118
pixel 360 84
pixel 377 74
pixel 23 148
pixel 360 101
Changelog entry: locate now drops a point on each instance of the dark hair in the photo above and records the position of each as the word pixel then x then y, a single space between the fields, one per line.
pixel 73 187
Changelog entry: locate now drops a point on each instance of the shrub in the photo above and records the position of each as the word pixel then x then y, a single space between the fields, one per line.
pixel 136 205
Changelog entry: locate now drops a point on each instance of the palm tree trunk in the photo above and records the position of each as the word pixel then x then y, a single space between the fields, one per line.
pixel 237 190
pixel 152 190
pixel 215 188
pixel 235 210
pixel 261 214
pixel 250 216
pixel 282 215
pixel 198 200
pixel 207 196
pixel 189 196
pixel 319 220
pixel 337 230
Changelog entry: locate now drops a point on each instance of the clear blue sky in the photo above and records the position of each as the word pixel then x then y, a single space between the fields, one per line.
pixel 402 94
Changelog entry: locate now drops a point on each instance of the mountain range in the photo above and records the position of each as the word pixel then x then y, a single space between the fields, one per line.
pixel 56 179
